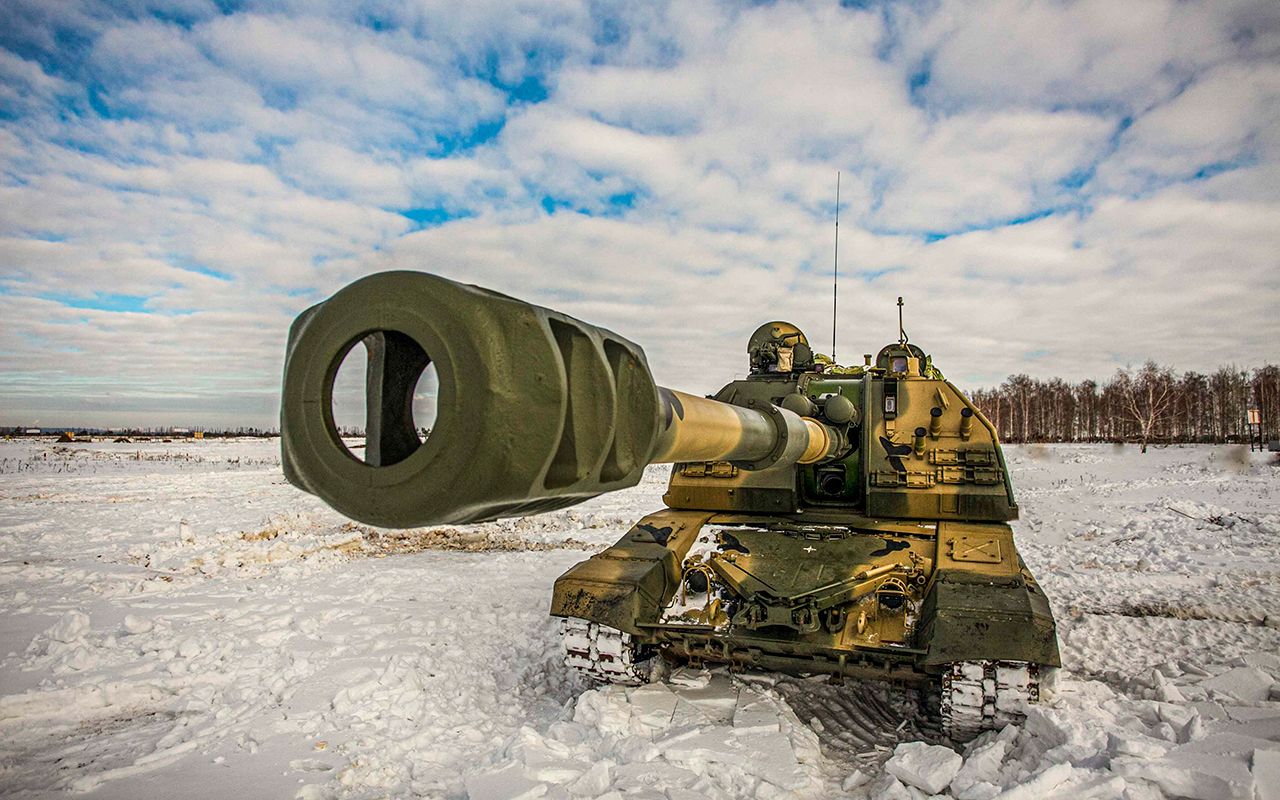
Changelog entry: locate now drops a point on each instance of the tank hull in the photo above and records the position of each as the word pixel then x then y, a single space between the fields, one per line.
pixel 812 594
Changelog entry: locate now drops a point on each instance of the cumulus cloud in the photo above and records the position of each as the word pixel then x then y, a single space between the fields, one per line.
pixel 1056 188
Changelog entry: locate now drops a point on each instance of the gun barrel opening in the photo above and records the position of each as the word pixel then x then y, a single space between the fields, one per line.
pixel 383 383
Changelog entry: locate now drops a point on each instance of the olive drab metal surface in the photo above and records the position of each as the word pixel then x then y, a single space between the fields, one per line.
pixel 536 410
pixel 820 518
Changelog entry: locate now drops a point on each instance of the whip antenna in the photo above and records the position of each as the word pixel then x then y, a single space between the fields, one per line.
pixel 835 273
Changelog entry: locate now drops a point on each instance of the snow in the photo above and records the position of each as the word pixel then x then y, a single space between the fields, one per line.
pixel 979 776
pixel 72 627
pixel 1242 684
pixel 1266 772
pixel 930 767
pixel 178 621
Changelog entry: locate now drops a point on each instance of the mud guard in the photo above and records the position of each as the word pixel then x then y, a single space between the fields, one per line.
pixel 974 616
pixel 630 583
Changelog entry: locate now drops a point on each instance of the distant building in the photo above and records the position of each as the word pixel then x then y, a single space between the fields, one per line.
pixel 32 431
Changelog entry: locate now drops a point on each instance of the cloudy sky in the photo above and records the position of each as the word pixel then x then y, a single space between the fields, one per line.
pixel 1056 187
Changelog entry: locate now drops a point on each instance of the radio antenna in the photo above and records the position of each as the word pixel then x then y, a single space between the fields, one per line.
pixel 835 273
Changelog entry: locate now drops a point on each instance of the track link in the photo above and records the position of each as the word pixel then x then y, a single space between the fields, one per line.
pixel 603 654
pixel 980 696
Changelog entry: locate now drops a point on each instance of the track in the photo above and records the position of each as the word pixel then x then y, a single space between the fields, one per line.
pixel 975 696
pixel 986 695
pixel 858 723
pixel 603 654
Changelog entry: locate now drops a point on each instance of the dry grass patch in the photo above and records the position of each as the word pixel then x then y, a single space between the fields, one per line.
pixel 379 543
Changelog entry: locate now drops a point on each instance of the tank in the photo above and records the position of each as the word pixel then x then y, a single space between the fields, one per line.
pixel 850 521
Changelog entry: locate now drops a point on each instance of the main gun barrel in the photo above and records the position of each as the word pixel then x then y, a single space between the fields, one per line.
pixel 536 410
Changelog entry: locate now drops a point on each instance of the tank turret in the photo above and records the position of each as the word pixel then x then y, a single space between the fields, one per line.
pixel 819 519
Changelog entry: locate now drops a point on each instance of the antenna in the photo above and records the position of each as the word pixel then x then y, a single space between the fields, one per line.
pixel 902 333
pixel 835 273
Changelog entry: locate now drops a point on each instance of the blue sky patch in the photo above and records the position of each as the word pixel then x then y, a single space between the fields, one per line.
pixel 553 204
pixel 1022 219
pixel 1077 178
pixel 434 216
pixel 918 81
pixel 464 141
pixel 102 301
pixel 1219 167
pixel 530 90
pixel 200 269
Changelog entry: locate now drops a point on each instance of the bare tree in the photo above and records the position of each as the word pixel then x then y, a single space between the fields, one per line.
pixel 1194 407
pixel 1086 393
pixel 1266 393
pixel 1019 388
pixel 1148 396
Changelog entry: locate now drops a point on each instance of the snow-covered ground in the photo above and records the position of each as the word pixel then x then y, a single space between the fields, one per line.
pixel 177 621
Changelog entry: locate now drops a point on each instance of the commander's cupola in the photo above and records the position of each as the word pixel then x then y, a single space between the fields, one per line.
pixel 779 348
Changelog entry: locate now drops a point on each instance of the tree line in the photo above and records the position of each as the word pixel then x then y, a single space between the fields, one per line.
pixel 1148 404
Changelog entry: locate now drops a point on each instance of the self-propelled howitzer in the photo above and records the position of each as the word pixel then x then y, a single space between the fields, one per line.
pixel 819 519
